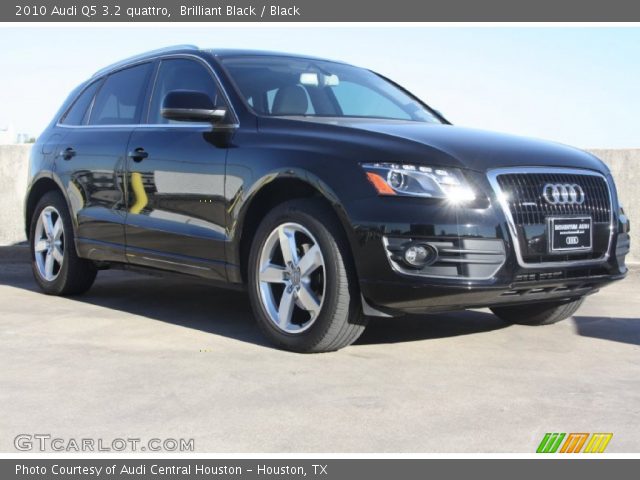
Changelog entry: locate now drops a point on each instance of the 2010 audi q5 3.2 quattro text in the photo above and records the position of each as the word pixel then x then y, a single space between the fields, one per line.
pixel 327 190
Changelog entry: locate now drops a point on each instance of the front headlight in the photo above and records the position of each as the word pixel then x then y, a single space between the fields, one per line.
pixel 419 181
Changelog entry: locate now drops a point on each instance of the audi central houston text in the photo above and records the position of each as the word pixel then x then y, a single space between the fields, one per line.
pixel 327 191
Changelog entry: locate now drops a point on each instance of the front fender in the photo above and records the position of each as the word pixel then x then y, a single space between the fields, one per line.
pixel 279 179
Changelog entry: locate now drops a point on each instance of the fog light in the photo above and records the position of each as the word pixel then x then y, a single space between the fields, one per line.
pixel 418 255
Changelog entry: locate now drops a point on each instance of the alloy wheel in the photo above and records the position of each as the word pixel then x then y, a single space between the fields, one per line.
pixel 48 244
pixel 291 278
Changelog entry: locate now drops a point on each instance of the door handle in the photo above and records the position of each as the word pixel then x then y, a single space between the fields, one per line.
pixel 68 153
pixel 138 154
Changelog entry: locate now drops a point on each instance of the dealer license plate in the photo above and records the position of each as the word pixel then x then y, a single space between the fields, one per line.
pixel 570 234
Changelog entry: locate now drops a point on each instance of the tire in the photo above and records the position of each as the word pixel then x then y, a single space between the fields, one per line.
pixel 67 274
pixel 538 313
pixel 334 319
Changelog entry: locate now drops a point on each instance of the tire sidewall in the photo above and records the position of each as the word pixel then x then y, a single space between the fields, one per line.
pixel 55 286
pixel 332 259
pixel 538 314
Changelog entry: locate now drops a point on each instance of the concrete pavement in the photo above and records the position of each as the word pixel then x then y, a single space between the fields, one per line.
pixel 147 357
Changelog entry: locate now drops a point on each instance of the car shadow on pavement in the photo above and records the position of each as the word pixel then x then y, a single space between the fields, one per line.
pixel 195 304
pixel 198 305
pixel 625 330
pixel 177 300
pixel 424 327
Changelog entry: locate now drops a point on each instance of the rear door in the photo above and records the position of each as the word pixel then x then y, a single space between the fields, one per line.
pixel 175 202
pixel 92 157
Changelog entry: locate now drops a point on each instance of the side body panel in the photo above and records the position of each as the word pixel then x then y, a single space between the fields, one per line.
pixel 175 207
pixel 93 183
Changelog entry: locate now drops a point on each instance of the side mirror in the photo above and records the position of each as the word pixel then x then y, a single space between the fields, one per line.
pixel 191 106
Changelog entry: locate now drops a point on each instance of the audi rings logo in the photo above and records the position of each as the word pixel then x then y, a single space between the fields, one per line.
pixel 563 194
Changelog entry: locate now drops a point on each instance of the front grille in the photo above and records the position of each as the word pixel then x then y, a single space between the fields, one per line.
pixel 520 192
pixel 528 207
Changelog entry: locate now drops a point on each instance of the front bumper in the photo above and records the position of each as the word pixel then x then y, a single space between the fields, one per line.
pixel 391 298
pixel 491 273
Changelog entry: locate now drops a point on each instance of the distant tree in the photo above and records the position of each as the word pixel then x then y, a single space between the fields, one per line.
pixel 31 140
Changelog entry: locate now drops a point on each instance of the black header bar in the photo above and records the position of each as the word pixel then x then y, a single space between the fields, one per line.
pixel 319 469
pixel 319 11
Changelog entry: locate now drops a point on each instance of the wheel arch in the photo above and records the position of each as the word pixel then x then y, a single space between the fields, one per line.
pixel 37 190
pixel 273 190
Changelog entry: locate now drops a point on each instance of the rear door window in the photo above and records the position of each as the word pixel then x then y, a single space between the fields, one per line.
pixel 120 101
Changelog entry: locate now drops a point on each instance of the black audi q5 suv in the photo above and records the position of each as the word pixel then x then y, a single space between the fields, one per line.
pixel 327 191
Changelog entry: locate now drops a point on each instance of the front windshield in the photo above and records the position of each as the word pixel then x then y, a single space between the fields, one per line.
pixel 283 86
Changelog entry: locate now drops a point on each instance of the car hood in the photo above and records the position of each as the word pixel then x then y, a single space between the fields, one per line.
pixel 470 148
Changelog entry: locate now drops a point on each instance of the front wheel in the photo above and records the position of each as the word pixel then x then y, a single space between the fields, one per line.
pixel 538 313
pixel 303 288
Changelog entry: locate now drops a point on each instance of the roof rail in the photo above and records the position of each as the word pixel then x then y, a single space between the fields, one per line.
pixel 144 55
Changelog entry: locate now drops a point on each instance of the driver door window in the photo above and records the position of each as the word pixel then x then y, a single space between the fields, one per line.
pixel 180 74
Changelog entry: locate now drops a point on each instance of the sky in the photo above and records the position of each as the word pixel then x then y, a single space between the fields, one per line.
pixel 579 86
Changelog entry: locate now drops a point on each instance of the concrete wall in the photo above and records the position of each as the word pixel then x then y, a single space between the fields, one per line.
pixel 624 164
pixel 625 167
pixel 14 166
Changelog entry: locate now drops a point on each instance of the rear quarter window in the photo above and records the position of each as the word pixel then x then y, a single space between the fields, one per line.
pixel 79 111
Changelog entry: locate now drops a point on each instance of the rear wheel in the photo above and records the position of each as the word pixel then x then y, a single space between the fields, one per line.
pixel 303 289
pixel 538 313
pixel 56 267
